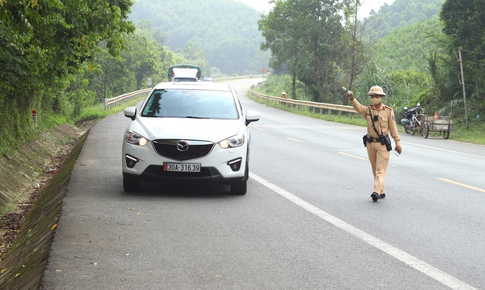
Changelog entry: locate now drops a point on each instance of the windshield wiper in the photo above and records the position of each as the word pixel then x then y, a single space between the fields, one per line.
pixel 196 117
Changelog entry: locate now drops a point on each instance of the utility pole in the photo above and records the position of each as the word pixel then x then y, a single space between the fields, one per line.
pixel 463 86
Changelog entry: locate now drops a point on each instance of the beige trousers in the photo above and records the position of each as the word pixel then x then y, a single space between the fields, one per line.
pixel 379 159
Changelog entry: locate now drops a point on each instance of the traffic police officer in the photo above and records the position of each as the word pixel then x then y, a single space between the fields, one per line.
pixel 380 122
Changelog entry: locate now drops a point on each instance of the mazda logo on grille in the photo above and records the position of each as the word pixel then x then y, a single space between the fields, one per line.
pixel 182 145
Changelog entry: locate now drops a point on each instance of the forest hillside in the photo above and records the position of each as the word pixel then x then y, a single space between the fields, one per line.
pixel 226 30
pixel 401 14
pixel 409 47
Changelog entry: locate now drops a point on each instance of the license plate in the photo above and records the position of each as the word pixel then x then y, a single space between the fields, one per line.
pixel 181 167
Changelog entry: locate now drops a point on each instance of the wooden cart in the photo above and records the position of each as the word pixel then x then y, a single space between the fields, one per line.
pixel 442 125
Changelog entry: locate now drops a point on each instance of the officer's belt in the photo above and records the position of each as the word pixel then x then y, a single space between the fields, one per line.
pixel 372 139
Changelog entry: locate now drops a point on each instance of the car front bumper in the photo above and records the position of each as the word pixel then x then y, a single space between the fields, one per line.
pixel 226 166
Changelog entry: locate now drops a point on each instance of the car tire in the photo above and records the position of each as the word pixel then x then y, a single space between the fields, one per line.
pixel 241 188
pixel 131 185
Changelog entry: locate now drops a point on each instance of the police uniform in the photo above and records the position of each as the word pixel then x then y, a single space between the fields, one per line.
pixel 385 124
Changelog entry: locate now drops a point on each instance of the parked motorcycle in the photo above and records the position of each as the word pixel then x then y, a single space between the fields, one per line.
pixel 412 119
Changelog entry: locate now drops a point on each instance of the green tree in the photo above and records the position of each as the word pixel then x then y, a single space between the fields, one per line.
pixel 193 54
pixel 141 59
pixel 464 25
pixel 280 39
pixel 43 44
pixel 308 34
pixel 355 46
pixel 144 28
pixel 403 13
pixel 410 64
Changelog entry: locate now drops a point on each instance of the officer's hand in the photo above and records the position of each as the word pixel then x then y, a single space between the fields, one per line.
pixel 350 94
pixel 399 149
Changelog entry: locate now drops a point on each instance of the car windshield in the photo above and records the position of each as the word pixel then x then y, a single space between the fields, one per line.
pixel 201 104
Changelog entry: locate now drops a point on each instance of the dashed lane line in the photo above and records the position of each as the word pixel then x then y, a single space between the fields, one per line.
pixel 462 184
pixel 293 139
pixel 353 156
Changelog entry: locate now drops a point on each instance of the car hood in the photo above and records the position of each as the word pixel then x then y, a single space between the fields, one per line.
pixel 190 129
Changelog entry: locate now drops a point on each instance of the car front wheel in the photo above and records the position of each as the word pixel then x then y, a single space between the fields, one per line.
pixel 241 188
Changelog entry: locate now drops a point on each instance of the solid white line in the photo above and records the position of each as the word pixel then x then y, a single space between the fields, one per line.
pixel 402 256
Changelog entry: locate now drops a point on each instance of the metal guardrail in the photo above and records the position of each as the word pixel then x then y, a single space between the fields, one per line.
pixel 239 77
pixel 112 102
pixel 298 104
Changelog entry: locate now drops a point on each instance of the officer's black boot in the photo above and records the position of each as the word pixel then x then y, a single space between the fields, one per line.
pixel 375 196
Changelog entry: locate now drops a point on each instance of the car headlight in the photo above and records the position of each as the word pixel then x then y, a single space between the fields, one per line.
pixel 134 138
pixel 232 142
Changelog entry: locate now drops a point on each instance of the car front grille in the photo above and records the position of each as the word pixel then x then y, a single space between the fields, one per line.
pixel 172 148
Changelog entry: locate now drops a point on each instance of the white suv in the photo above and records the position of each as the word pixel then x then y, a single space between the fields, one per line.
pixel 188 132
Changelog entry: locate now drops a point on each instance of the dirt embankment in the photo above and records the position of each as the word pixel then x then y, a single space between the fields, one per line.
pixel 33 183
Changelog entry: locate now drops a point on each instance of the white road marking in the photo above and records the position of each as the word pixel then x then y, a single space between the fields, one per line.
pixel 444 150
pixel 257 127
pixel 353 156
pixel 292 139
pixel 462 184
pixel 402 256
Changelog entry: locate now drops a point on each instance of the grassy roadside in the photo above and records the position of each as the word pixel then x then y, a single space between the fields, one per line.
pixel 48 123
pixel 475 133
pixel 23 162
pixel 98 111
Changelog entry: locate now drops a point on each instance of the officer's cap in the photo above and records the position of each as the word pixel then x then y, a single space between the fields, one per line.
pixel 376 90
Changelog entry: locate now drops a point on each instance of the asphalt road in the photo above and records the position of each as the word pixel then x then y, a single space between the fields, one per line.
pixel 307 221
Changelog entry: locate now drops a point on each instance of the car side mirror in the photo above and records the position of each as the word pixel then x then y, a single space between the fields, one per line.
pixel 130 112
pixel 252 116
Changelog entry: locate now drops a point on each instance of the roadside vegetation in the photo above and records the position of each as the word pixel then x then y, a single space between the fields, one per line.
pixel 64 59
pixel 427 52
pixel 275 85
pixel 74 59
